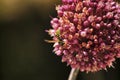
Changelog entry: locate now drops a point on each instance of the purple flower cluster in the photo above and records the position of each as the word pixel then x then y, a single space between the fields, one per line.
pixel 86 33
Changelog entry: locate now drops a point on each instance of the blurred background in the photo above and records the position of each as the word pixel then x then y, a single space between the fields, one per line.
pixel 24 55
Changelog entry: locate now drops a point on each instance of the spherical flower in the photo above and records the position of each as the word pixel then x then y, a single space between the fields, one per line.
pixel 86 33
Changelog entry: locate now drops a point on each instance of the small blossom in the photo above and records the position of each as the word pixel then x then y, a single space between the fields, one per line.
pixel 83 33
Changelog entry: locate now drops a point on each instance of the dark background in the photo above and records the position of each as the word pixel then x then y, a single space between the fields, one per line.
pixel 24 55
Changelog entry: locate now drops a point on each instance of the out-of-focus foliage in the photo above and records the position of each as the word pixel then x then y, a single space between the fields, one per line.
pixel 11 9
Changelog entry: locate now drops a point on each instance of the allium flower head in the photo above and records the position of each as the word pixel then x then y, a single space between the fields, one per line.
pixel 86 33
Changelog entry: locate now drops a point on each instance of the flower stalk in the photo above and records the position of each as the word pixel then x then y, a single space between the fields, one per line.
pixel 73 74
